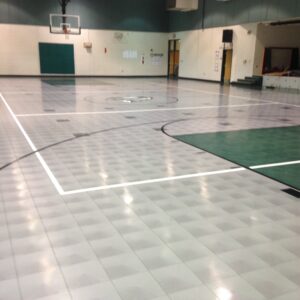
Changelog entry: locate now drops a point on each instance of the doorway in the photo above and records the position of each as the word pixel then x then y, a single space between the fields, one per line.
pixel 226 66
pixel 174 56
pixel 280 60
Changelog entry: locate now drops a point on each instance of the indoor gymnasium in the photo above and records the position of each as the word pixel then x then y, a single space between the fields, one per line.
pixel 149 150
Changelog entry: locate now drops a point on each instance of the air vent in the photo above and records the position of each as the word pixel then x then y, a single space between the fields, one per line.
pixel 182 5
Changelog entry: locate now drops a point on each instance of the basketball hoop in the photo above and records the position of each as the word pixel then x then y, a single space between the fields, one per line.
pixel 65 24
pixel 66 30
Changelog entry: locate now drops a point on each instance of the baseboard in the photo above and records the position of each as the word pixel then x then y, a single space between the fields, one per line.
pixel 199 79
pixel 83 76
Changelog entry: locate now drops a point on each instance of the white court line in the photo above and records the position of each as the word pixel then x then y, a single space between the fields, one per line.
pixel 212 93
pixel 125 184
pixel 81 92
pixel 222 94
pixel 157 180
pixel 33 148
pixel 295 162
pixel 142 110
pixel 162 85
pixel 164 179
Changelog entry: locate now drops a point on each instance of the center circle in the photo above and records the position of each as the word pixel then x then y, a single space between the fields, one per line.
pixel 157 100
pixel 130 99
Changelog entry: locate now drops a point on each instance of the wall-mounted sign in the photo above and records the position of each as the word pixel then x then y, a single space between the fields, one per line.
pixel 130 54
pixel 218 60
pixel 157 54
pixel 156 58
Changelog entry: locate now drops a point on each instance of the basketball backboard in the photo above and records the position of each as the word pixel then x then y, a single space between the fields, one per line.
pixel 65 24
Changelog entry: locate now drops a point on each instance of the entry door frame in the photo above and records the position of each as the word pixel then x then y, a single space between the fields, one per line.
pixel 176 42
pixel 224 65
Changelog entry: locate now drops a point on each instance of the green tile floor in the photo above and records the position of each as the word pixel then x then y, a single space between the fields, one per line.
pixel 255 147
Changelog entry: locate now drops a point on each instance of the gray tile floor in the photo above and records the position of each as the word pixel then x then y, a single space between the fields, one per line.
pixel 128 223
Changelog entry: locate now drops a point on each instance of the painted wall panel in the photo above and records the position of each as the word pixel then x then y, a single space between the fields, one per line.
pixel 20 56
pixel 19 53
pixel 56 58
pixel 180 21
pixel 135 15
pixel 234 12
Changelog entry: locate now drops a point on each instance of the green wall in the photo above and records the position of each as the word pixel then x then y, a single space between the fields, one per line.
pixel 149 15
pixel 219 14
pixel 134 15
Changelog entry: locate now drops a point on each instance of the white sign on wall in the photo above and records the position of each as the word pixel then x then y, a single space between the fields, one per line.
pixel 217 60
pixel 156 58
pixel 130 54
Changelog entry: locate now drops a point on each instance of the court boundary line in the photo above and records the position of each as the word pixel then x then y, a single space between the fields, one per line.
pixel 295 162
pixel 222 94
pixel 33 148
pixel 156 180
pixel 171 86
pixel 143 110
pixel 77 92
pixel 179 177
pixel 61 191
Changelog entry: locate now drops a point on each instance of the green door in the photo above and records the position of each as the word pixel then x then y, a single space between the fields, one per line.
pixel 56 58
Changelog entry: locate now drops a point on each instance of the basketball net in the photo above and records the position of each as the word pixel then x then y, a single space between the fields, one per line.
pixel 66 30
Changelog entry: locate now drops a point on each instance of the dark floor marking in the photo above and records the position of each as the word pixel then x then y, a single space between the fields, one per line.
pixel 284 120
pixel 292 192
pixel 49 110
pixel 225 124
pixel 130 117
pixel 71 139
pixel 62 120
pixel 188 114
pixel 286 107
pixel 77 135
pixel 72 82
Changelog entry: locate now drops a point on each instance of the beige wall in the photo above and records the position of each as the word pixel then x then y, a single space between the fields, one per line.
pixel 198 58
pixel 198 54
pixel 274 36
pixel 20 56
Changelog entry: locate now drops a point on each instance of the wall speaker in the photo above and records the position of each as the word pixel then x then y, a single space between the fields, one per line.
pixel 87 45
pixel 227 36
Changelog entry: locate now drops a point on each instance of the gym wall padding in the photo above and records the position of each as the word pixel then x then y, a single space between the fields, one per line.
pixel 56 58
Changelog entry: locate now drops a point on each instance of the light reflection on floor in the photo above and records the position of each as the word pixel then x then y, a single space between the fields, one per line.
pixel 225 236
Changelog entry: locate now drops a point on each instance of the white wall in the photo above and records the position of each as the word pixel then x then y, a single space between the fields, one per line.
pixel 198 53
pixel 282 82
pixel 274 36
pixel 19 54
